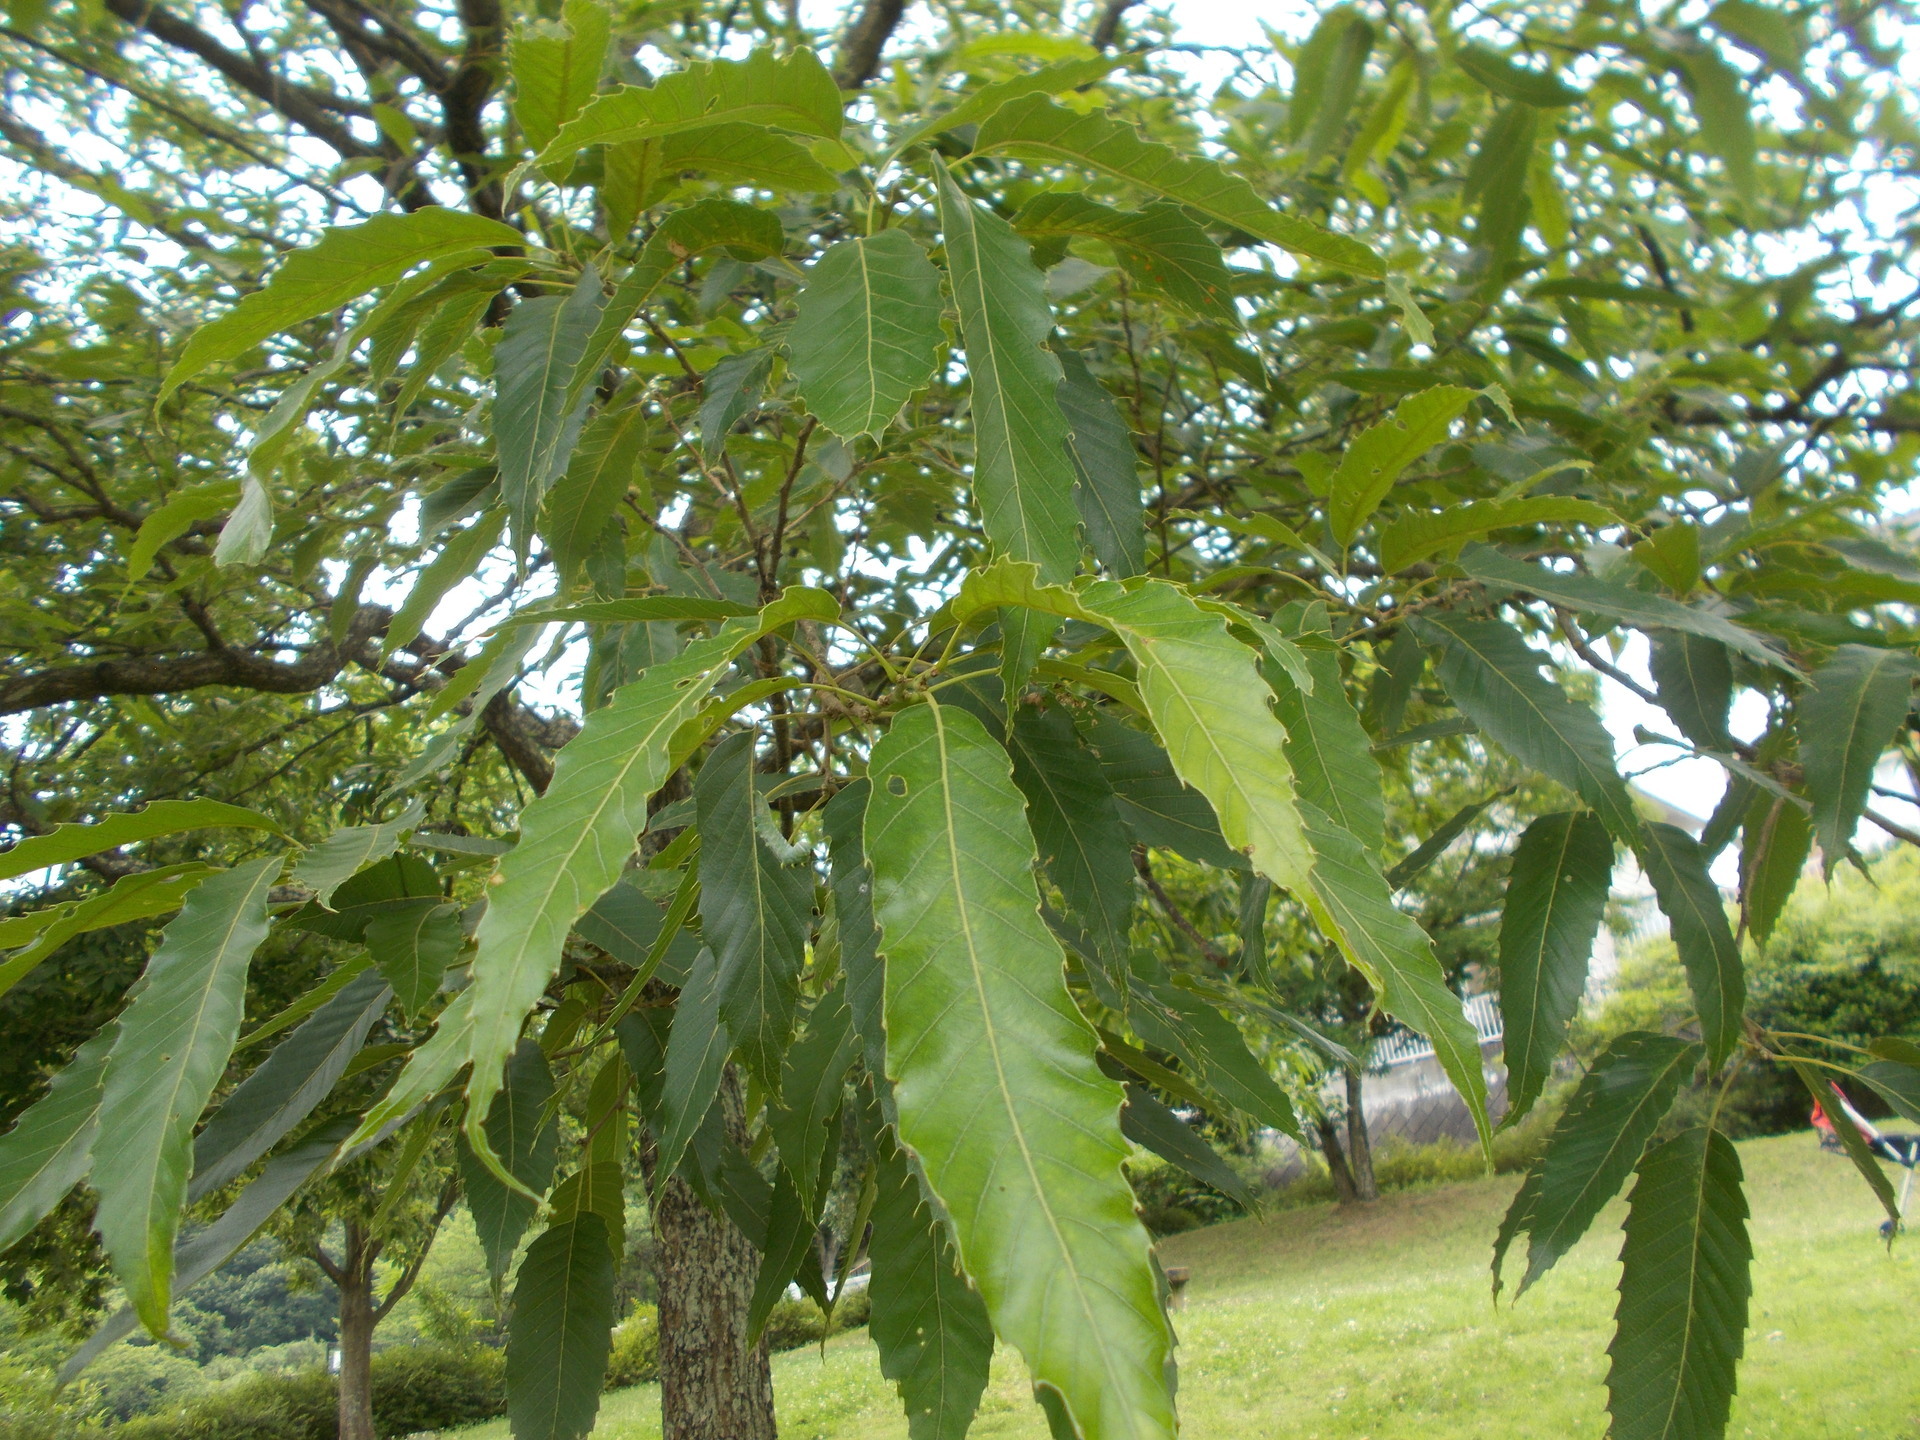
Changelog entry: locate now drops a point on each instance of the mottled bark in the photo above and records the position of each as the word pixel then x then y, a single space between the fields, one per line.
pixel 357 1319
pixel 1359 1146
pixel 1329 1137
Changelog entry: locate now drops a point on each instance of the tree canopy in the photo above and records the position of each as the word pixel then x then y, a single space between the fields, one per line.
pixel 656 555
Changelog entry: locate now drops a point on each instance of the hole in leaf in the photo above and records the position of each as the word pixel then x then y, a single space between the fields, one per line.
pixel 896 785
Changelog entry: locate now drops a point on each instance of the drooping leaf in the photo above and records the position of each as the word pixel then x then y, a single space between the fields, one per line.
pixel 413 945
pixel 1351 904
pixel 1679 1330
pixel 1145 1121
pixel 1055 79
pixel 138 896
pixel 1514 82
pixel 1337 84
pixel 1332 759
pixel 866 332
pixel 390 884
pixel 1677 866
pixel 1847 718
pixel 1158 808
pixel 1076 824
pixel 784 1251
pixel 65 843
pixel 173 1043
pixel 1852 1142
pixel 1161 247
pixel 536 420
pixel 1694 679
pixel 1556 899
pixel 287 1085
pixel 1619 602
pixel 458 559
pixel 47 1151
pixel 696 1057
pixel 1211 1047
pixel 626 924
pixel 742 153
pixel 526 1141
pixel 1898 1084
pixel 1096 141
pixel 1497 180
pixel 1380 454
pixel 561 1334
pixel 1106 483
pixel 928 1324
pixel 1725 116
pixel 1420 535
pixel 328 865
pixel 1404 872
pixel 344 264
pixel 581 504
pixel 1595 1144
pixel 574 840
pixel 1022 475
pixel 1494 677
pixel 1778 838
pixel 793 92
pixel 852 885
pixel 168 522
pixel 810 1083
pixel 995 1079
pixel 1311 65
pixel 556 68
pixel 756 909
pixel 732 389
pixel 596 1189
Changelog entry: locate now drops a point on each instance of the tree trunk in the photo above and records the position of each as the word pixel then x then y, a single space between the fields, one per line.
pixel 1343 1190
pixel 713 1386
pixel 355 1281
pixel 1359 1147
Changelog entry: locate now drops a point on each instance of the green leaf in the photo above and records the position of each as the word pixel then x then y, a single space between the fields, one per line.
pixel 1619 602
pixel 1106 487
pixel 852 886
pixel 1419 535
pixel 794 93
pixel 561 1334
pixel 1054 79
pixel 525 1139
pixel 995 1079
pixel 1352 906
pixel 597 1190
pixel 1022 475
pixel 1406 871
pixel 172 1046
pixel 928 1324
pixel 1725 117
pixel 1514 82
pixel 1161 247
pixel 133 897
pixel 1494 677
pixel 580 507
pixel 556 68
pixel 696 1057
pixel 287 1085
pixel 1613 1113
pixel 1335 86
pixel 47 1151
pixel 756 909
pixel 1379 455
pixel 65 843
pixel 1145 1121
pixel 626 924
pixel 1694 679
pixel 340 856
pixel 1851 1140
pixel 1677 866
pixel 1898 1084
pixel 1158 808
pixel 536 418
pixel 1773 34
pixel 732 388
pixel 346 263
pixel 1036 125
pixel 1778 838
pixel 387 885
pixel 802 1118
pixel 1498 180
pixel 784 1251
pixel 1312 65
pixel 1212 1047
pixel 866 332
pixel 1684 1284
pixel 637 608
pixel 413 946
pixel 1847 718
pixel 743 154
pixel 168 522
pixel 574 842
pixel 1332 759
pixel 461 555
pixel 1556 899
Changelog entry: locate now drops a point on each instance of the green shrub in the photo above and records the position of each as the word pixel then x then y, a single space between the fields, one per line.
pixel 436 1387
pixel 1170 1200
pixel 852 1311
pixel 636 1349
pixel 134 1379
pixel 794 1324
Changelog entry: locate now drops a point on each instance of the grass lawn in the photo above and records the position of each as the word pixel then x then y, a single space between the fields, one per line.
pixel 1323 1324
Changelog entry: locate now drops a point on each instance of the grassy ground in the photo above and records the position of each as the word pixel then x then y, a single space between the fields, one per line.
pixel 1323 1324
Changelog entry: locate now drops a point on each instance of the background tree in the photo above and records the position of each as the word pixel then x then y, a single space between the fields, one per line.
pixel 407 365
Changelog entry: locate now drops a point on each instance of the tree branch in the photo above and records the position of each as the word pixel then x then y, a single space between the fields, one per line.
pixel 859 48
pixel 464 99
pixel 1107 28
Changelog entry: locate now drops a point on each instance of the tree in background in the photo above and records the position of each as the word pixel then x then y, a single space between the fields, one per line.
pixel 738 532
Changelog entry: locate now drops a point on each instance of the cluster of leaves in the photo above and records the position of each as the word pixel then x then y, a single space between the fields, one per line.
pixel 903 542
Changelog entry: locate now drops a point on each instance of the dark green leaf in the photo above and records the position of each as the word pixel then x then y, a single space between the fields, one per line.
pixel 1381 453
pixel 1054 79
pixel 1158 808
pixel 535 422
pixel 1556 899
pixel 1161 247
pixel 556 68
pixel 65 843
pixel 1694 678
pixel 1677 866
pixel 413 946
pixel 1145 1121
pixel 1498 180
pixel 1684 1283
pixel 562 1331
pixel 341 855
pixel 1898 1084
pixel 581 504
pixel 1851 1140
pixel 1337 85
pixel 1779 837
pixel 138 896
pixel 866 333
pixel 1211 1046
pixel 47 1151
pixel 1725 116
pixel 696 1057
pixel 1333 764
pixel 731 389
pixel 1513 82
pixel 1106 484
pixel 801 1119
pixel 1435 845
pixel 1848 716
pixel 525 1145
